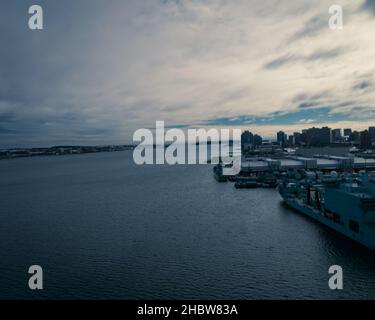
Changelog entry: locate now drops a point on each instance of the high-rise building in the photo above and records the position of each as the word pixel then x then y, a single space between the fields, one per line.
pixel 247 137
pixel 354 136
pixel 281 138
pixel 371 130
pixel 365 139
pixel 297 138
pixel 258 140
pixel 325 135
pixel 291 141
pixel 347 132
pixel 336 135
pixel 247 140
pixel 318 136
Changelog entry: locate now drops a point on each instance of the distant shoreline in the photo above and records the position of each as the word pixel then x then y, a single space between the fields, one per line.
pixel 74 150
pixel 13 153
pixel 59 150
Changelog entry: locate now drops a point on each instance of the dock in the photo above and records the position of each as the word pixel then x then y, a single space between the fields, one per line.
pixel 318 162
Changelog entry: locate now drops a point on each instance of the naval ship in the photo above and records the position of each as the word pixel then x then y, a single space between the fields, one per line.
pixel 345 203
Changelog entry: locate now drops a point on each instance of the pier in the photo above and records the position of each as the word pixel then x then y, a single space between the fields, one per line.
pixel 318 162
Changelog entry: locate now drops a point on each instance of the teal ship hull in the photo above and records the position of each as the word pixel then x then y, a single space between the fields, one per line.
pixel 344 205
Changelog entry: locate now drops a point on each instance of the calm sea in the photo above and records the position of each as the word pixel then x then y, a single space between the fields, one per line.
pixel 103 228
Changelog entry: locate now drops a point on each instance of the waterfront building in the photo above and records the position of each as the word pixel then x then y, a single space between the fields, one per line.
pixel 318 137
pixel 371 130
pixel 247 140
pixel 354 137
pixel 291 141
pixel 281 138
pixel 258 140
pixel 247 137
pixel 365 139
pixel 336 135
pixel 297 138
pixel 347 132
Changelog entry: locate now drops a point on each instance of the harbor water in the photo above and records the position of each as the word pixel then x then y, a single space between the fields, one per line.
pixel 102 227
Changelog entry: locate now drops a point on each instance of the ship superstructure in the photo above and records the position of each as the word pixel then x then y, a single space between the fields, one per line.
pixel 345 202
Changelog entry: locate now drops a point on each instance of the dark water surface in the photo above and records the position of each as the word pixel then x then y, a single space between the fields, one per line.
pixel 102 227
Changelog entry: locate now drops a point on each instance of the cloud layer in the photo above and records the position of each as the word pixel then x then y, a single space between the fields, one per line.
pixel 102 69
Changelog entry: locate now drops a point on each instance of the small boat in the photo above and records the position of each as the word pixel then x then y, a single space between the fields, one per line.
pixel 218 174
pixel 247 183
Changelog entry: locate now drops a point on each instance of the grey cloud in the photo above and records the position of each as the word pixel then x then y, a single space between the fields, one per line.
pixel 356 110
pixel 369 5
pixel 7 116
pixel 91 131
pixel 344 104
pixel 311 28
pixel 324 54
pixel 281 61
pixel 173 108
pixel 101 68
pixel 4 131
pixel 301 97
pixel 362 85
pixel 314 56
pixel 179 126
pixel 307 104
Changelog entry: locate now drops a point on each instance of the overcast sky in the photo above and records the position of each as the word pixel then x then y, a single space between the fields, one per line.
pixel 101 69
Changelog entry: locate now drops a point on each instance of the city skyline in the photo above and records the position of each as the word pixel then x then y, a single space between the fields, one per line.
pixel 323 136
pixel 100 70
pixel 308 137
